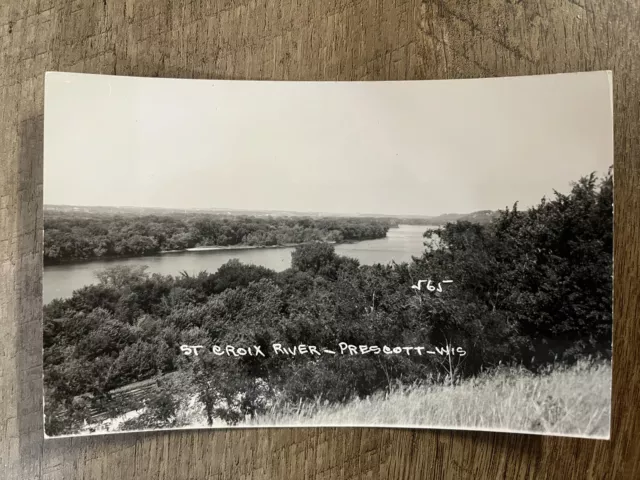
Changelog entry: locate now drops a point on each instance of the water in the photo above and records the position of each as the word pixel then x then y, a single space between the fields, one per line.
pixel 400 244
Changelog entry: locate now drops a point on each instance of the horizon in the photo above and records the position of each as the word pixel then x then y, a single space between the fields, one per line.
pixel 312 212
pixel 416 147
pixel 224 209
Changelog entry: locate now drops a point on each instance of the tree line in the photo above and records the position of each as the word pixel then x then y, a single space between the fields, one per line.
pixel 69 236
pixel 532 287
pixel 481 216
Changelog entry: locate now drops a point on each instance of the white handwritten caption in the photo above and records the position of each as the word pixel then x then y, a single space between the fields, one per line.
pixel 302 349
pixel 430 287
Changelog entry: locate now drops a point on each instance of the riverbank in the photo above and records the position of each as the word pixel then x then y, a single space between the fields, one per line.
pixel 60 280
pixel 113 258
pixel 212 248
pixel 241 247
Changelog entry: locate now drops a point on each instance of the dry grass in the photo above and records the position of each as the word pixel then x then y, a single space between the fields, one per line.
pixel 567 401
pixel 574 401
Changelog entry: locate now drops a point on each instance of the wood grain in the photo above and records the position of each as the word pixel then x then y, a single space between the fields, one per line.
pixel 302 40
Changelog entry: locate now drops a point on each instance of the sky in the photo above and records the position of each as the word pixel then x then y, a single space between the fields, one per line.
pixel 396 148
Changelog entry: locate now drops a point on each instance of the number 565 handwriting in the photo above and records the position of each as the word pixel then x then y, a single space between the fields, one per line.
pixel 430 286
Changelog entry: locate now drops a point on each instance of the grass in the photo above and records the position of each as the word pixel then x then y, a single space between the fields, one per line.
pixel 573 401
pixel 566 401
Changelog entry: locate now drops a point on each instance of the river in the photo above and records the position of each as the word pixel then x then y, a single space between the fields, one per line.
pixel 400 244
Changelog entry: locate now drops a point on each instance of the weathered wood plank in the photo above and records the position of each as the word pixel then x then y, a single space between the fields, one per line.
pixel 302 40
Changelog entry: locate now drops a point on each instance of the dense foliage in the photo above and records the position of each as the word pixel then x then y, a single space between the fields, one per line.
pixel 531 287
pixel 71 236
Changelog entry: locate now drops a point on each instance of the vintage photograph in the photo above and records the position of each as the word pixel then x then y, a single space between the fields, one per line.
pixel 420 254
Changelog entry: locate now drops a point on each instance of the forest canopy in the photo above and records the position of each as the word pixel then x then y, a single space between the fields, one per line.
pixel 531 287
pixel 72 236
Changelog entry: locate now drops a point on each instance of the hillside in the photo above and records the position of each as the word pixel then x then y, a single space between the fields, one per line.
pixel 481 216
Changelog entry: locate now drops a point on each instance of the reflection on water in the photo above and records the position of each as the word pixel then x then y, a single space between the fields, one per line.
pixel 400 245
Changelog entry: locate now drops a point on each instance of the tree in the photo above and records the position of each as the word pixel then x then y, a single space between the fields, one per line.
pixel 313 257
pixel 122 275
pixel 539 280
pixel 234 274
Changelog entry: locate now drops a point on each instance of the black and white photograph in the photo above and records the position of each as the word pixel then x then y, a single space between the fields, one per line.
pixel 413 254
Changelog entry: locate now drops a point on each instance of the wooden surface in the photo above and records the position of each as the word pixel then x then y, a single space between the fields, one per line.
pixel 302 40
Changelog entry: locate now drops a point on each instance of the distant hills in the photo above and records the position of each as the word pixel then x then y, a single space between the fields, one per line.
pixel 481 216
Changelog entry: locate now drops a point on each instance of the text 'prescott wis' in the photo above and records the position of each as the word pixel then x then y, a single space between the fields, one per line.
pixel 302 349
